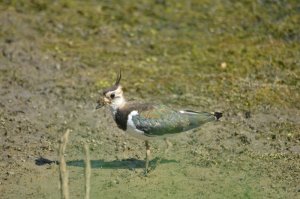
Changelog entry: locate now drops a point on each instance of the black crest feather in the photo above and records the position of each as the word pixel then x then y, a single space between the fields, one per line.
pixel 115 86
pixel 118 78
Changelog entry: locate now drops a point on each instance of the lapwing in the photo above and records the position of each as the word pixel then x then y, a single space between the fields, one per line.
pixel 147 120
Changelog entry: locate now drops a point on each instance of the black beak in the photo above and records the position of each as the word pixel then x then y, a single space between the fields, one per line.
pixel 99 105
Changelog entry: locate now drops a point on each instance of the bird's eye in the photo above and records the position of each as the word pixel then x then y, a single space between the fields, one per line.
pixel 112 96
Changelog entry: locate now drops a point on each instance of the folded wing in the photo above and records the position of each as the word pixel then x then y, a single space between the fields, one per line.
pixel 161 120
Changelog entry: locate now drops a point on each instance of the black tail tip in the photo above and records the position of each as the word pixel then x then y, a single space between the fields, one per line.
pixel 218 115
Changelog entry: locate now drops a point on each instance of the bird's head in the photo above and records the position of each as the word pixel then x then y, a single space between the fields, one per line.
pixel 112 96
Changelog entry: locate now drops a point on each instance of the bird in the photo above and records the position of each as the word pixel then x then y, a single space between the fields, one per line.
pixel 148 120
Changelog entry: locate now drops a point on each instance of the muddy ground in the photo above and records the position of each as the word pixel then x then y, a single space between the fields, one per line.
pixel 239 58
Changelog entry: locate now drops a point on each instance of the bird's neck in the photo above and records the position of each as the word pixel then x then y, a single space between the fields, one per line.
pixel 117 103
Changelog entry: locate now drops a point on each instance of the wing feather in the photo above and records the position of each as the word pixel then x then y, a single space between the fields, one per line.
pixel 155 120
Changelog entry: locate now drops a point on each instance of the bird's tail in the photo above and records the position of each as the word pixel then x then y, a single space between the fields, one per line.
pixel 199 118
pixel 215 115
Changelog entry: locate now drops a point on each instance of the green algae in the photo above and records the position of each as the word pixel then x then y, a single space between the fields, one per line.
pixel 181 46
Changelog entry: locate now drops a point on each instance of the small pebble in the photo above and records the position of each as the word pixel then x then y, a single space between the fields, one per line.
pixel 223 65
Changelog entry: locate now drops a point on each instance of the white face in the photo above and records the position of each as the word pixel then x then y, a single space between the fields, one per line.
pixel 114 98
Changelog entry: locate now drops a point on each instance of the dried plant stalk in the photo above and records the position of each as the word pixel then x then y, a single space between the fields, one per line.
pixel 87 171
pixel 63 173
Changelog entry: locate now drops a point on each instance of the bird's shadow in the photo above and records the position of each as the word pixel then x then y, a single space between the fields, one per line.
pixel 131 163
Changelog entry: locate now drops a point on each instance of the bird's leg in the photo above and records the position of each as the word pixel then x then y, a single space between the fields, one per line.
pixel 147 155
pixel 169 145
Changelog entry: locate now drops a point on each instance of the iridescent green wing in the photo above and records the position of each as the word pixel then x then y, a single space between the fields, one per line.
pixel 161 120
